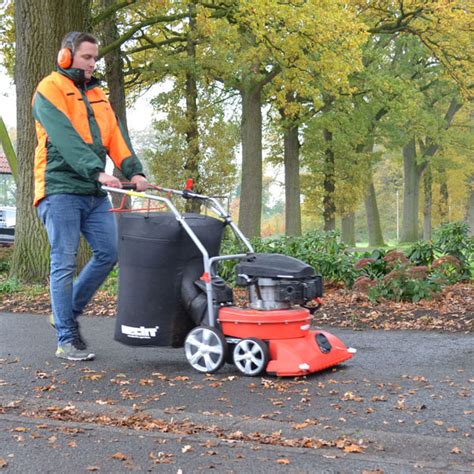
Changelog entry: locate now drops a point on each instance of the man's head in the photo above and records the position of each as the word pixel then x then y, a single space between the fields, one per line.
pixel 79 50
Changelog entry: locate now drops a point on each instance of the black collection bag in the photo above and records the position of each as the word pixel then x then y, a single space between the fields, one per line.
pixel 154 253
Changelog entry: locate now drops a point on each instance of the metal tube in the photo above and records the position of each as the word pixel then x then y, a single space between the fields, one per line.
pixel 213 260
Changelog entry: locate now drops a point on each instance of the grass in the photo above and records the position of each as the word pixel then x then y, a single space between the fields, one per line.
pixel 12 285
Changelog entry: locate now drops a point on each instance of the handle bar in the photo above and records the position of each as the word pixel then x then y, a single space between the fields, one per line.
pixel 129 186
pixel 212 203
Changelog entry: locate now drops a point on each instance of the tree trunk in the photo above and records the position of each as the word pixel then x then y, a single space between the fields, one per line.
pixel 443 205
pixel 428 203
pixel 39 32
pixel 373 217
pixel 329 206
pixel 412 173
pixel 374 228
pixel 116 83
pixel 251 184
pixel 292 181
pixel 192 133
pixel 470 208
pixel 348 229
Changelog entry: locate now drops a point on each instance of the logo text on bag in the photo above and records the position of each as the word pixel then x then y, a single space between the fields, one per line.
pixel 141 333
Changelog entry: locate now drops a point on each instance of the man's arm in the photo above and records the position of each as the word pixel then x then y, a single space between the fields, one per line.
pixel 122 154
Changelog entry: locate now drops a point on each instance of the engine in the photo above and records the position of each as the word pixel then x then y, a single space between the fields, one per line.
pixel 277 281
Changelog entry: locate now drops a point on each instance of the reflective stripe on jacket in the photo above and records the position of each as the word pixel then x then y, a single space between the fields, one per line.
pixel 76 130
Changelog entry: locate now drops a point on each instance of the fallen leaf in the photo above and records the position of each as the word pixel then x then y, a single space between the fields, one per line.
pixel 161 458
pixel 283 461
pixel 42 375
pixel 3 463
pixel 93 377
pixel 438 422
pixel 144 382
pixel 101 402
pixel 92 468
pixel 381 398
pixel 353 448
pixel 119 456
pixel 186 448
pixel 456 450
pixel 349 396
pixel 400 405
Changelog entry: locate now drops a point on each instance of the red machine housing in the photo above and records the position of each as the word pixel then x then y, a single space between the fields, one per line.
pixel 293 346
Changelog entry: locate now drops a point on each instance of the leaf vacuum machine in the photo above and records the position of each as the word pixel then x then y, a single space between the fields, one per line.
pixel 170 293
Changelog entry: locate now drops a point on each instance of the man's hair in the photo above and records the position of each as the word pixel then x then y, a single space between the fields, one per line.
pixel 73 40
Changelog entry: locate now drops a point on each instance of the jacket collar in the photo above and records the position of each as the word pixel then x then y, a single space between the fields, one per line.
pixel 77 76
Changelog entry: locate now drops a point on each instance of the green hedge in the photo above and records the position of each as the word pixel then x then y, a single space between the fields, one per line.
pixel 419 272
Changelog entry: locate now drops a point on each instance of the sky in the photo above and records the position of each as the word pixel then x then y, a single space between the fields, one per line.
pixel 7 99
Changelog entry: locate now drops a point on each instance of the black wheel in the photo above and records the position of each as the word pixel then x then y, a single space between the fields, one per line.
pixel 205 349
pixel 251 356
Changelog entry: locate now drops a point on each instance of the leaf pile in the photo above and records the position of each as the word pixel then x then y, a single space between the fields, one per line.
pixel 452 311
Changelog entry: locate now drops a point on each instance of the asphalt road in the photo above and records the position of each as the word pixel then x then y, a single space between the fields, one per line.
pixel 402 404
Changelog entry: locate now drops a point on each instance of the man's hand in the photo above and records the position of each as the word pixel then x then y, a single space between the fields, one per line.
pixel 140 181
pixel 108 180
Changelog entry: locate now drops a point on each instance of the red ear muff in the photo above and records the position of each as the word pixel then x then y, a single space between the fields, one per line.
pixel 65 58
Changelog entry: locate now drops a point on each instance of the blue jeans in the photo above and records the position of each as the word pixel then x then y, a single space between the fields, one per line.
pixel 65 217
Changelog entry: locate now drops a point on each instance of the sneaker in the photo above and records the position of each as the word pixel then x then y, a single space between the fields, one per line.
pixel 79 343
pixel 70 351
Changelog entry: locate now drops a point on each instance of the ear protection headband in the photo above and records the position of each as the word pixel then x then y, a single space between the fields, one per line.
pixel 66 53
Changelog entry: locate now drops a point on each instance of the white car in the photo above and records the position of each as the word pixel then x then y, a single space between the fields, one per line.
pixel 7 224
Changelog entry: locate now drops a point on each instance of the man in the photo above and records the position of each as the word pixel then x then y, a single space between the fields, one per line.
pixel 76 129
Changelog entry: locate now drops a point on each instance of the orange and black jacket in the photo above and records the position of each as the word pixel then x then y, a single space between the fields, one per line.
pixel 76 130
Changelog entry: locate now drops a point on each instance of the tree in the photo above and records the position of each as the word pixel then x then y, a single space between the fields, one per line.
pixel 293 46
pixel 113 74
pixel 470 207
pixel 218 138
pixel 292 180
pixel 415 162
pixel 39 32
pixel 442 34
pixel 162 48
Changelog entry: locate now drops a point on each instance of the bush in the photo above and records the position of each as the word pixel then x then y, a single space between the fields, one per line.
pixel 447 269
pixel 405 285
pixel 364 283
pixel 322 250
pixel 395 259
pixel 422 252
pixel 4 266
pixel 110 285
pixel 419 274
pixel 5 258
pixel 453 239
pixel 12 285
